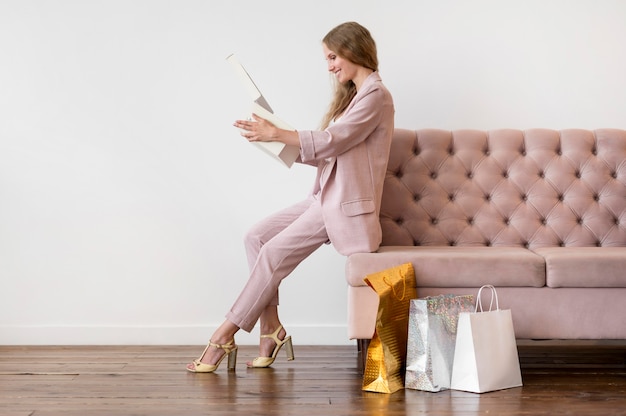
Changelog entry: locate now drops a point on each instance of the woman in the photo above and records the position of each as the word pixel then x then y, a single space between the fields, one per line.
pixel 350 153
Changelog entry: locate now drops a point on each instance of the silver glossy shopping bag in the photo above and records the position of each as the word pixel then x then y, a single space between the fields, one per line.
pixel 431 340
pixel 485 356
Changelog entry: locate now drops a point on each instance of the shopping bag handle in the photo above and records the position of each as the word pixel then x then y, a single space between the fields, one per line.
pixel 393 289
pixel 494 295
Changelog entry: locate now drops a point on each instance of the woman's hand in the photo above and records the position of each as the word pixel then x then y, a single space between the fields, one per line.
pixel 257 130
pixel 260 130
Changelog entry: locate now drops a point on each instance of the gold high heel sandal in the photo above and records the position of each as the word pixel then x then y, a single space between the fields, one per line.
pixel 263 362
pixel 230 350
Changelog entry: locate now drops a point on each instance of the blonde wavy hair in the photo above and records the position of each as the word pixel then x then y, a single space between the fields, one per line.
pixel 353 42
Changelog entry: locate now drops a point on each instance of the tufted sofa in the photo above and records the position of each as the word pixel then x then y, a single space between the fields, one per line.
pixel 540 214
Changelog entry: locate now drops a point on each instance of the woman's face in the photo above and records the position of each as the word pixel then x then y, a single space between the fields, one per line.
pixel 343 69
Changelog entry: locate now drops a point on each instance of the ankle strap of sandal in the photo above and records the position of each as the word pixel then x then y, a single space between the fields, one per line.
pixel 226 347
pixel 274 335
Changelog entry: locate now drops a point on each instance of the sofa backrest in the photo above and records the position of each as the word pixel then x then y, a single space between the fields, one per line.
pixel 531 188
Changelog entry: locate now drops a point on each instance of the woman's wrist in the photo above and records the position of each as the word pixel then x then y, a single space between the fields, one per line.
pixel 288 137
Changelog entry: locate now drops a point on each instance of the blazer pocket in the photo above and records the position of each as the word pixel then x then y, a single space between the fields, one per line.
pixel 358 207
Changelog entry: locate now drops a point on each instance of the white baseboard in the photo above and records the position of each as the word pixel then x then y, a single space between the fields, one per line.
pixel 157 335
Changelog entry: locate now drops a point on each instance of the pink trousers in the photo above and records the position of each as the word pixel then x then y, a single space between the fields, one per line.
pixel 274 247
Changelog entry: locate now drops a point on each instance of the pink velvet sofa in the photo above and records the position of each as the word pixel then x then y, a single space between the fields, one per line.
pixel 540 214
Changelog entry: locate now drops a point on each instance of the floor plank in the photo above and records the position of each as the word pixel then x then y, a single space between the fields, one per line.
pixel 151 380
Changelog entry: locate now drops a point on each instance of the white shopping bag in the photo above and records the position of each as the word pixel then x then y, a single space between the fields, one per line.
pixel 485 356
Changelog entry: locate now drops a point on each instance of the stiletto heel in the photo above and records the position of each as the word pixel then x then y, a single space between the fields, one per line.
pixel 263 362
pixel 230 350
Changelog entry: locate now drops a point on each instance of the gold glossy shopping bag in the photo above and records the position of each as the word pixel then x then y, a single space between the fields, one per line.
pixel 386 354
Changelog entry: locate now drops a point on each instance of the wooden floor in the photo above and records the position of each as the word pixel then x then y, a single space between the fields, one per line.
pixel 135 380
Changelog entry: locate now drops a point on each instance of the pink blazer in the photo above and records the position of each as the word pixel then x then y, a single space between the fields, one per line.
pixel 351 158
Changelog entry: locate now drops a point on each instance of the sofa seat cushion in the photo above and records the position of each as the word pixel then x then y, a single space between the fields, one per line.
pixel 453 266
pixel 584 266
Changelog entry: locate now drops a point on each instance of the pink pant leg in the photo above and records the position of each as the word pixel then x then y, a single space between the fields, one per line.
pixel 268 228
pixel 274 247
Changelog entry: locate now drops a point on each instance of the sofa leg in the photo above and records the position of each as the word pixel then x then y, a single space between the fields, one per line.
pixel 362 345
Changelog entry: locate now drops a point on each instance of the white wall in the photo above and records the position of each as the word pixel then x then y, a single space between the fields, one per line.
pixel 125 191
